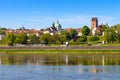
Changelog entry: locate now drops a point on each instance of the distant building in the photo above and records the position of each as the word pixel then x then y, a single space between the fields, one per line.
pixel 94 25
pixel 68 30
pixel 95 29
pixel 79 31
pixel 28 32
pixel 55 28
pixel 58 26
pixel 2 36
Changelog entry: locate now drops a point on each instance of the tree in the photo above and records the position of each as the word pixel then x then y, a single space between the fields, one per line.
pixel 82 39
pixel 62 39
pixel 9 39
pixel 110 35
pixel 73 34
pixel 33 39
pixel 104 28
pixel 85 30
pixel 46 38
pixel 117 30
pixel 66 34
pixel 21 38
pixel 94 39
pixel 55 38
pixel 2 32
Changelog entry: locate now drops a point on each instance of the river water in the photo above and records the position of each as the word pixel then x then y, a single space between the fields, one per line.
pixel 60 66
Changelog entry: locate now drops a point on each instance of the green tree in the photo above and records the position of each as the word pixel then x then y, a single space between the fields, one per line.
pixel 94 39
pixel 9 39
pixel 46 38
pixel 65 33
pixel 62 39
pixel 55 38
pixel 104 28
pixel 73 34
pixel 85 30
pixel 82 39
pixel 117 30
pixel 110 35
pixel 2 32
pixel 21 38
pixel 33 39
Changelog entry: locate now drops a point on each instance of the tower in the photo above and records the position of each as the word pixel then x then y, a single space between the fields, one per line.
pixel 58 26
pixel 94 25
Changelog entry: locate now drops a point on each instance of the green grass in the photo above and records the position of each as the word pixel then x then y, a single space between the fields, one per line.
pixel 3 45
pixel 60 51
pixel 110 44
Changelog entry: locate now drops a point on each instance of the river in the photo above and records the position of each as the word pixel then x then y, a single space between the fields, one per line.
pixel 60 67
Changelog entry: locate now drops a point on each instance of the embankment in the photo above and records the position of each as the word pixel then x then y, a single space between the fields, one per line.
pixel 61 49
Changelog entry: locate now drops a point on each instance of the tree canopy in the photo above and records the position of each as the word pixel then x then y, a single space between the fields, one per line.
pixel 9 39
pixel 85 30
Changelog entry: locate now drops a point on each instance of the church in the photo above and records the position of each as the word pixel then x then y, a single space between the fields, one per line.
pixel 55 28
pixel 95 29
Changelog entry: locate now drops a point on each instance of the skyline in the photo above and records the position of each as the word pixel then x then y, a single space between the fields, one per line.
pixel 39 14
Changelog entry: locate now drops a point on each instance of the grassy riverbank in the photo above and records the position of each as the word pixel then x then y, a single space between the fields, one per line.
pixel 60 51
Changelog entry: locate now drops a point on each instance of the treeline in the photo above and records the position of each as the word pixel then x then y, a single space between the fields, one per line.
pixel 109 35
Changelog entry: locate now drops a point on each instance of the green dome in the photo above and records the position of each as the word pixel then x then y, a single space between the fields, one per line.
pixel 58 26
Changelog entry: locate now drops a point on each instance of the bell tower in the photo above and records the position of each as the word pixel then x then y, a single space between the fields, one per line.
pixel 94 25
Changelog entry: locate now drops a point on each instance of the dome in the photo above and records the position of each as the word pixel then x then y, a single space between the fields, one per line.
pixel 58 26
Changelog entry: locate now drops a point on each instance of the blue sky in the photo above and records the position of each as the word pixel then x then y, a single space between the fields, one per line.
pixel 39 14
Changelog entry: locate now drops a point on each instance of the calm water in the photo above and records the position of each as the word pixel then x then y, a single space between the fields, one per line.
pixel 60 67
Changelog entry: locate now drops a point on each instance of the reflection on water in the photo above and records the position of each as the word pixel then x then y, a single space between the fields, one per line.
pixel 60 59
pixel 59 67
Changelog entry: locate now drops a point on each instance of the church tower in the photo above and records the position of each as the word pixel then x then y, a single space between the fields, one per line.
pixel 58 26
pixel 94 25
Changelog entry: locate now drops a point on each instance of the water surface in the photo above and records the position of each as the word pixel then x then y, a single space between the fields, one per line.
pixel 59 67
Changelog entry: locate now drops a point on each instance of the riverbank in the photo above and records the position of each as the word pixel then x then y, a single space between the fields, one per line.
pixel 61 49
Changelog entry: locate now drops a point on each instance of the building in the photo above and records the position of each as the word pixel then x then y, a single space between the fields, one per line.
pixel 2 36
pixel 55 28
pixel 94 25
pixel 58 26
pixel 68 30
pixel 95 28
pixel 79 31
pixel 26 31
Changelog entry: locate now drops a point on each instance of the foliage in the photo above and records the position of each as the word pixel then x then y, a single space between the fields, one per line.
pixel 94 39
pixel 21 38
pixel 62 39
pixel 46 38
pixel 33 39
pixel 52 39
pixel 82 39
pixel 66 34
pixel 104 28
pixel 2 32
pixel 9 39
pixel 73 34
pixel 85 30
pixel 118 28
pixel 55 38
pixel 110 35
